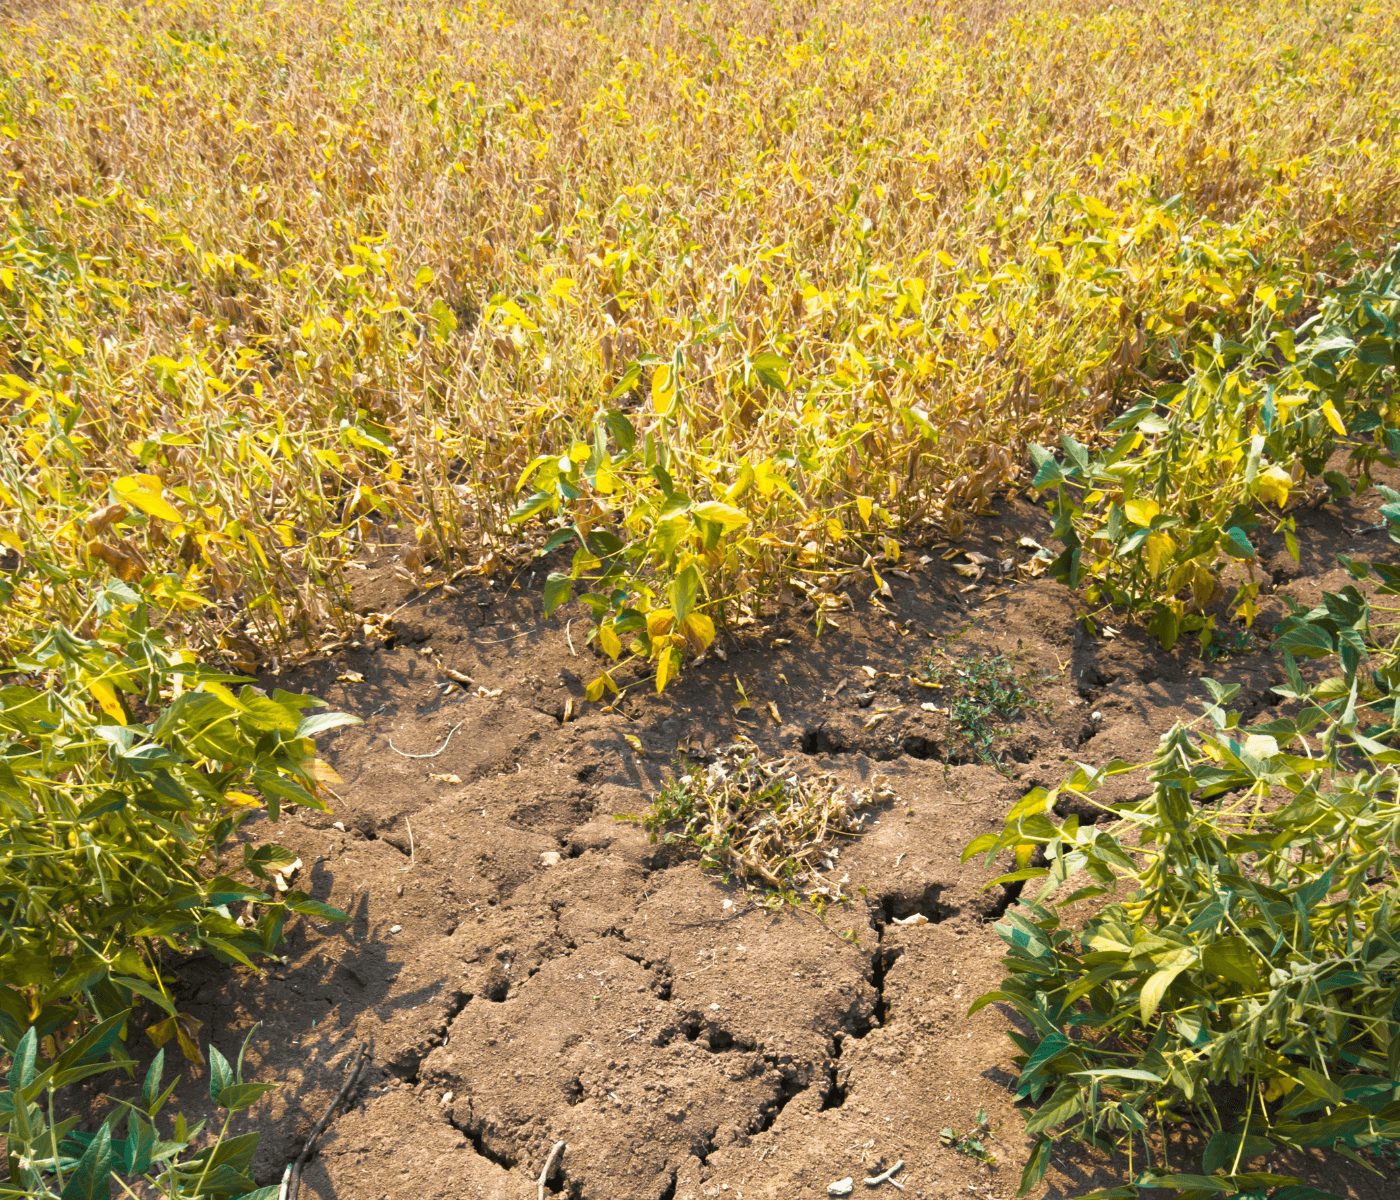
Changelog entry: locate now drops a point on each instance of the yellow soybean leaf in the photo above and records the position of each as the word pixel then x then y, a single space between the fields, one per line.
pixel 699 631
pixel 184 1029
pixel 223 693
pixel 742 482
pixel 1334 418
pixel 144 492
pixel 1273 485
pixel 724 515
pixel 659 621
pixel 865 506
pixel 1097 209
pixel 665 668
pixel 663 389
pixel 322 772
pixel 1158 546
pixel 609 641
pixel 242 800
pixel 1141 512
pixel 106 696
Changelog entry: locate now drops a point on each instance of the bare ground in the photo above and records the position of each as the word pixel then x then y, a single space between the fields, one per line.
pixel 528 967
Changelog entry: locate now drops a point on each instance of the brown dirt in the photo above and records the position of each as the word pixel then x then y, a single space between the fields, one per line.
pixel 528 968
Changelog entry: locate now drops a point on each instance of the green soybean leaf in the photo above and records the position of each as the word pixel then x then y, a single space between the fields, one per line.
pixel 319 723
pixel 91 1178
pixel 558 590
pixel 22 1067
pixel 1036 1163
pixel 238 1096
pixel 220 1073
pixel 1238 545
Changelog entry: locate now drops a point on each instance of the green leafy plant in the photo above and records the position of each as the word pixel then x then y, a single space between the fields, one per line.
pixel 1241 971
pixel 47 1157
pixel 972 1142
pixel 649 558
pixel 983 692
pixel 1201 468
pixel 762 822
pixel 1233 641
pixel 126 771
pixel 1253 960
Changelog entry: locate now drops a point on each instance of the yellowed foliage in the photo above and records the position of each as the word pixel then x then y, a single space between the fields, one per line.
pixel 264 296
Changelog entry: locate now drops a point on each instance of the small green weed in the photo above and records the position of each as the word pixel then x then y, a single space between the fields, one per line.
pixel 984 691
pixel 972 1143
pixel 1234 642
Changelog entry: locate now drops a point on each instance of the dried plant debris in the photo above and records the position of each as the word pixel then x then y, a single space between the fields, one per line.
pixel 764 822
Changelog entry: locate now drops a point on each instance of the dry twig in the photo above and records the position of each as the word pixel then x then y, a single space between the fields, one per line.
pixel 434 754
pixel 886 1176
pixel 291 1178
pixel 555 1151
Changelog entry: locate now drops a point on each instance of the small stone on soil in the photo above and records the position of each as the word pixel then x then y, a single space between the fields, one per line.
pixel 842 1187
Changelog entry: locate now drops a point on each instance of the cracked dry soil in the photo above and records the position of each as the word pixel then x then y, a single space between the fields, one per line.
pixel 530 968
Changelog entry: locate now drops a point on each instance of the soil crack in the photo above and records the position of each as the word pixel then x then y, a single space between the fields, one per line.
pixel 717 1039
pixel 408 1064
pixel 476 1133
pixel 883 956
pixel 790 1086
pixel 834 1091
pixel 704 1146
pixel 900 906
pixel 660 972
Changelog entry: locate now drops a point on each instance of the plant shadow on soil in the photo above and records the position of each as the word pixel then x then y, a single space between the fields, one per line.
pixel 528 968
